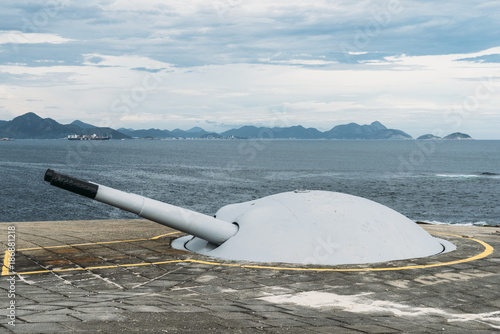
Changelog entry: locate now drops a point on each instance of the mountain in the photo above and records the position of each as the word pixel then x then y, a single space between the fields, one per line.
pixel 348 131
pixel 457 136
pixel 157 133
pixel 377 126
pixel 352 131
pixel 149 133
pixel 373 131
pixel 82 125
pixel 32 126
pixel 297 132
pixel 428 137
pixel 247 131
pixel 196 129
pixel 212 136
pixel 89 129
pixel 125 131
pixel 293 132
pixel 453 136
pixel 195 132
pixel 104 132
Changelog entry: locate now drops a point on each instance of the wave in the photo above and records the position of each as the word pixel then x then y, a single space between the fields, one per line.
pixel 481 223
pixel 464 176
pixel 470 176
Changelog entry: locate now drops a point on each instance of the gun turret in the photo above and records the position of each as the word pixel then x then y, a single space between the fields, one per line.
pixel 205 227
pixel 308 227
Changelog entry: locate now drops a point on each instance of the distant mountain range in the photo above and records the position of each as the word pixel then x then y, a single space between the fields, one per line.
pixel 348 131
pixel 453 136
pixel 31 126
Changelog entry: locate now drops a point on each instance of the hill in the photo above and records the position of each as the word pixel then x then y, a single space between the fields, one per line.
pixel 348 131
pixel 149 133
pixel 293 132
pixel 375 130
pixel 453 136
pixel 428 137
pixel 195 132
pixel 32 126
pixel 457 136
pixel 82 125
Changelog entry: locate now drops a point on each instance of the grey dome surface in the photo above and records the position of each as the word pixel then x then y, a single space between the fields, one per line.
pixel 317 227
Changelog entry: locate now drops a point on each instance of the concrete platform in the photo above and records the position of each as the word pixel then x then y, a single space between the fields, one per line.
pixel 122 276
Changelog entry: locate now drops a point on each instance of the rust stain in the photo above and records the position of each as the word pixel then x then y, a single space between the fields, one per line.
pixel 56 262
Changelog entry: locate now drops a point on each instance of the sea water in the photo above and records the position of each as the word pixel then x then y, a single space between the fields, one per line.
pixel 451 182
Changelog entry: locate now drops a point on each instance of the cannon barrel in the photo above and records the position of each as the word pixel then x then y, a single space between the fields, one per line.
pixel 203 226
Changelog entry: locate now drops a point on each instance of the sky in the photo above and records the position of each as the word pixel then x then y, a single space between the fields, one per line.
pixel 418 66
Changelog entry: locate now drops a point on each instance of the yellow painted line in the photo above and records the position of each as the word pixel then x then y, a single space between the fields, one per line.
pixel 6 264
pixel 163 235
pixel 488 249
pixel 96 243
pixel 98 267
pixel 6 271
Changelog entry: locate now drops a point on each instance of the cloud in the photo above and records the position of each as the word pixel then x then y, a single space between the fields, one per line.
pixel 144 69
pixel 234 62
pixel 306 62
pixel 445 68
pixel 18 37
pixel 134 62
pixel 491 58
pixel 260 94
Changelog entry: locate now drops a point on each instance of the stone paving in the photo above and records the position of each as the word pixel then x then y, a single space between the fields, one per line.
pixel 122 276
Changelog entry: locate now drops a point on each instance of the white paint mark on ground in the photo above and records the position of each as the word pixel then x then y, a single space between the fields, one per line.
pixel 205 278
pixel 448 277
pixel 361 304
pixel 402 284
pixel 22 278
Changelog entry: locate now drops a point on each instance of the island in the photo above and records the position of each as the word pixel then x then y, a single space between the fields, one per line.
pixel 457 136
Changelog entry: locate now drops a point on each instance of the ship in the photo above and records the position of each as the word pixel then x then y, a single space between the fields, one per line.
pixel 88 137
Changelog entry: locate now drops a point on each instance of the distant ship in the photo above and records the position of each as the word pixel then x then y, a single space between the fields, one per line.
pixel 88 137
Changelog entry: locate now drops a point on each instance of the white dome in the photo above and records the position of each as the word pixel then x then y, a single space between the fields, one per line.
pixel 318 227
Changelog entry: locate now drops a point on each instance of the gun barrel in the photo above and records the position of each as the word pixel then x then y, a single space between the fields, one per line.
pixel 203 226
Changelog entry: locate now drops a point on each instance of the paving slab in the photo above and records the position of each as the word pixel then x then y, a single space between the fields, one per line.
pixel 123 276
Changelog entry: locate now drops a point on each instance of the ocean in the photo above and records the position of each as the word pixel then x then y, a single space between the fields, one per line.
pixel 443 182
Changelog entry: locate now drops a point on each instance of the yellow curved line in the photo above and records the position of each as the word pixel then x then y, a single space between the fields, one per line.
pixel 6 264
pixel 163 235
pixel 488 249
pixel 5 269
pixel 95 268
pixel 97 243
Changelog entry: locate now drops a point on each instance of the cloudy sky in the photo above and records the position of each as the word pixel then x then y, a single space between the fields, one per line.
pixel 419 66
